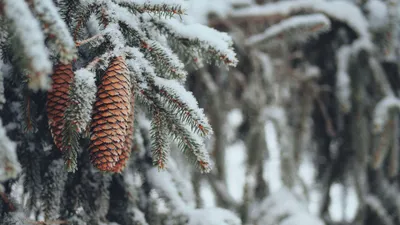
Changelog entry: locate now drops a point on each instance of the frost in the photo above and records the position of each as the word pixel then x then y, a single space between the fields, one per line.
pixel 83 96
pixel 15 218
pixel 296 25
pixel 9 165
pixel 31 40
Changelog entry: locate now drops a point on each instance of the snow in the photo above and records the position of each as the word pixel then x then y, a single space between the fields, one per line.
pixel 233 120
pixel 212 216
pixel 340 10
pixel 31 40
pixel 85 93
pixel 343 210
pixel 378 15
pixel 209 37
pixel 343 85
pixel 158 179
pixel 185 100
pixel 381 112
pixel 235 164
pixel 122 14
pixel 9 165
pixel 305 218
pixel 283 204
pixel 48 14
pixel 295 25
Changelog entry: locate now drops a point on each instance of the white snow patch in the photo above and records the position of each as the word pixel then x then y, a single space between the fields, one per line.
pixel 378 16
pixel 235 164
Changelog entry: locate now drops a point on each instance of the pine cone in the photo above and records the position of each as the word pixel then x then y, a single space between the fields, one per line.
pixel 58 100
pixel 110 116
pixel 126 152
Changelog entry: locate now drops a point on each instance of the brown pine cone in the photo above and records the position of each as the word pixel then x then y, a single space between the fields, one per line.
pixel 58 100
pixel 126 152
pixel 110 116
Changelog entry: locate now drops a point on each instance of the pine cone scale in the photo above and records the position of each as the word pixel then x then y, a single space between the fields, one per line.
pixel 128 138
pixel 110 117
pixel 58 100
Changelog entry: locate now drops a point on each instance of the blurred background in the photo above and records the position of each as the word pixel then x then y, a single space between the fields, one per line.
pixel 307 125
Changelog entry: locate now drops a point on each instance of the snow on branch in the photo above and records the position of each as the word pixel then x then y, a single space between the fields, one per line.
pixel 170 192
pixel 31 40
pixel 165 61
pixel 183 103
pixel 160 143
pixel 214 42
pixel 166 8
pixel 190 143
pixel 9 165
pixel 213 216
pixel 305 25
pixel 83 96
pixel 283 208
pixel 55 28
pixel 175 198
pixel 343 86
pixel 340 10
pixel 382 112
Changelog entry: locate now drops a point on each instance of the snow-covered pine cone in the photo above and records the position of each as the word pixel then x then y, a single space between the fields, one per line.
pixel 126 152
pixel 110 117
pixel 58 100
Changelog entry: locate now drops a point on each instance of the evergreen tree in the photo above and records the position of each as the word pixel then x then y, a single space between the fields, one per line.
pixel 92 100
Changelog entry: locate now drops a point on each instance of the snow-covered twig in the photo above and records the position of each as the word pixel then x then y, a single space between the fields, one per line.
pixel 303 26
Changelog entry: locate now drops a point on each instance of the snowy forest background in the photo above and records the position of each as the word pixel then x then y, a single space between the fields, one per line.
pixel 305 116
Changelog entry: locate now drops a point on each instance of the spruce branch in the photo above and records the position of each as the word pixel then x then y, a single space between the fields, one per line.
pixel 55 28
pixel 188 142
pixel 70 143
pixel 159 141
pixel 163 8
pixel 27 110
pixel 167 64
pixel 82 97
pixel 183 104
pixel 53 183
pixel 206 45
pixel 31 41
